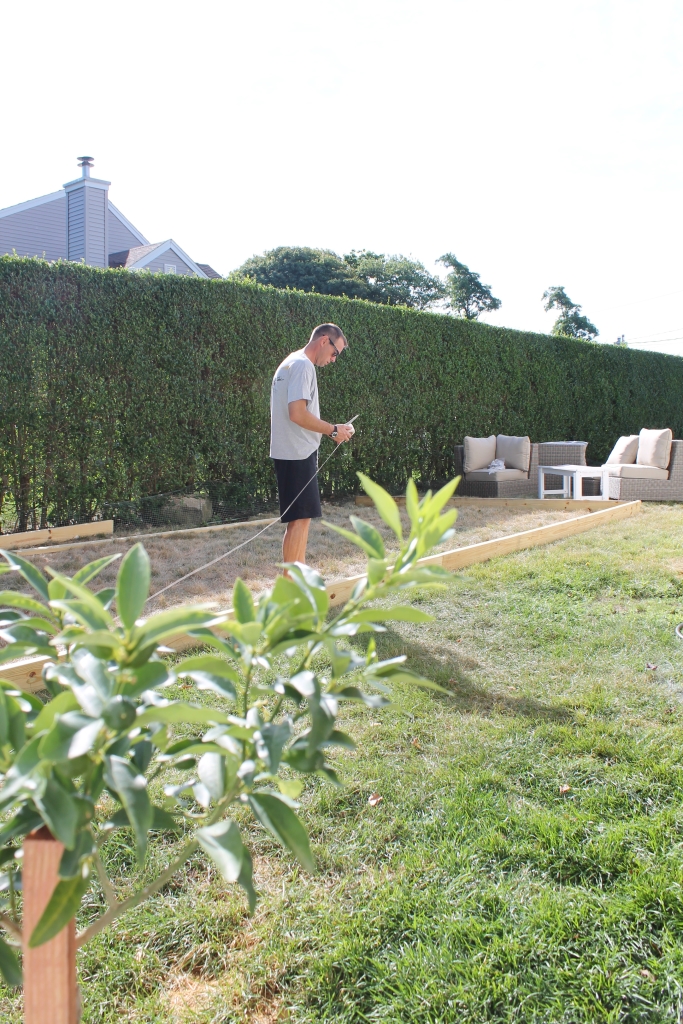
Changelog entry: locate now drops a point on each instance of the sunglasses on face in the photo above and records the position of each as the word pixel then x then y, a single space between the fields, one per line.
pixel 337 352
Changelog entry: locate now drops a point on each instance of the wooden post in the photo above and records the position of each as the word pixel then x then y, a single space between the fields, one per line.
pixel 50 992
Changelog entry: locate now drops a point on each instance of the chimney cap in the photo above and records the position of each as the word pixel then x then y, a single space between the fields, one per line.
pixel 85 163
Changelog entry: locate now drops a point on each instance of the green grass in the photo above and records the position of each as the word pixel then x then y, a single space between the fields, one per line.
pixel 481 888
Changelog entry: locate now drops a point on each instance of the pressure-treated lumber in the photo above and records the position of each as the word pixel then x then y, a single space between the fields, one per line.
pixel 26 674
pixel 565 504
pixel 125 539
pixel 50 992
pixel 458 558
pixel 34 538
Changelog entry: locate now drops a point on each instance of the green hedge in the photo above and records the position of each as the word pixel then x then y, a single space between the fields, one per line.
pixel 115 384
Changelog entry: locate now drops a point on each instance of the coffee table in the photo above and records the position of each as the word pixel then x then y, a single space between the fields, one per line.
pixel 572 476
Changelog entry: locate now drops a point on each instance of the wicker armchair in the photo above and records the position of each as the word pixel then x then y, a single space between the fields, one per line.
pixel 548 453
pixel 629 489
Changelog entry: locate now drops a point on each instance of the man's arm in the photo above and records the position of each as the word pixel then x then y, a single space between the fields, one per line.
pixel 299 414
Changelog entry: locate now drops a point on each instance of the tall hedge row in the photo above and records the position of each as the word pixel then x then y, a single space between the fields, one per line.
pixel 114 384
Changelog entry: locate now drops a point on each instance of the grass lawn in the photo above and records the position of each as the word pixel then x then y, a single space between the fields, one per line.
pixel 525 862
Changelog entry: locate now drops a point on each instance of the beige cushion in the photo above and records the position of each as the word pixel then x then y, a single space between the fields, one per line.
pixel 624 451
pixel 654 448
pixel 516 451
pixel 498 474
pixel 479 452
pixel 632 472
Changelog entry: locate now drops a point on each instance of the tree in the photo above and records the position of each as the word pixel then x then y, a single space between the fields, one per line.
pixel 81 764
pixel 389 280
pixel 570 322
pixel 395 280
pixel 467 296
pixel 305 269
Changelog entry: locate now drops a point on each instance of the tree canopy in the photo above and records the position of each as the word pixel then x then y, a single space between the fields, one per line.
pixel 388 280
pixel 467 296
pixel 570 323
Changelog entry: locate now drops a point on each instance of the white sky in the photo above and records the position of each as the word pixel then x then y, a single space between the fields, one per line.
pixel 538 140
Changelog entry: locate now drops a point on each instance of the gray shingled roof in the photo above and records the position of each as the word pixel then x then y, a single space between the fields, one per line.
pixel 128 257
pixel 209 271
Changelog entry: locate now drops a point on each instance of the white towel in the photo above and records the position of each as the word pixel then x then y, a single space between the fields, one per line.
pixel 495 466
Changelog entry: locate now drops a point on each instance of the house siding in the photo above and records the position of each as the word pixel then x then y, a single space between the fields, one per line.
pixel 76 229
pixel 120 237
pixel 96 199
pixel 157 264
pixel 40 230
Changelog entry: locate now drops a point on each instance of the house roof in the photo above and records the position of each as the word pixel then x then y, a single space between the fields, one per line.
pixel 129 257
pixel 209 271
pixel 140 256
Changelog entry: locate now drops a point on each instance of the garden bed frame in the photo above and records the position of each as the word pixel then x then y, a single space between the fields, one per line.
pixel 26 673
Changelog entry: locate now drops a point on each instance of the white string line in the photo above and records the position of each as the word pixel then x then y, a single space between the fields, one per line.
pixel 249 539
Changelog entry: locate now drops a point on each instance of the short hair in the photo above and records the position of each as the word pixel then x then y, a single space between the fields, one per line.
pixel 331 330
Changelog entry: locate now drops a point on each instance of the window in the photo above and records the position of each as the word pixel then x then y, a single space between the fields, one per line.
pixel 169 268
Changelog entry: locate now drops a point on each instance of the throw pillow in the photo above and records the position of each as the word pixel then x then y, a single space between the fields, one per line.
pixel 654 448
pixel 625 450
pixel 479 452
pixel 515 451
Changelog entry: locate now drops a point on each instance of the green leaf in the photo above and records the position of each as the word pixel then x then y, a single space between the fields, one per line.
pixel 436 503
pixel 132 585
pixel 92 569
pixel 82 594
pixel 412 502
pixel 242 602
pixel 24 821
pixel 175 620
pixel 9 965
pixel 70 864
pixel 180 712
pixel 212 772
pixel 64 904
pixel 376 570
pixel 71 735
pixel 360 542
pixel 275 815
pixel 370 535
pixel 29 604
pixel 66 701
pixel 384 503
pixel 131 789
pixel 401 613
pixel 29 572
pixel 59 810
pixel 223 843
pixel 92 615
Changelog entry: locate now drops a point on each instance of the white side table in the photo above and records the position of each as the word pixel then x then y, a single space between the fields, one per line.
pixel 572 476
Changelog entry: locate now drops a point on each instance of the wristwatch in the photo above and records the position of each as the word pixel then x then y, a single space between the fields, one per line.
pixel 334 431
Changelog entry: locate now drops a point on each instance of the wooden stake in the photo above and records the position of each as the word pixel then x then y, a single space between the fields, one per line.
pixel 50 991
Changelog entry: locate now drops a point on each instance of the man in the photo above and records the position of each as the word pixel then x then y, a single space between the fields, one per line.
pixel 295 434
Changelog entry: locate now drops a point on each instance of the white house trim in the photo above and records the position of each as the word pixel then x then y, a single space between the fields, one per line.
pixel 87 183
pixel 163 247
pixel 127 224
pixel 30 203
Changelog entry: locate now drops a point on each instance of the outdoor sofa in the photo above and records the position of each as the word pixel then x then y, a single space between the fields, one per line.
pixel 648 466
pixel 522 458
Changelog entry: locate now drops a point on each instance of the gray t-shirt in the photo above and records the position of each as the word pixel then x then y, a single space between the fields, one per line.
pixel 294 379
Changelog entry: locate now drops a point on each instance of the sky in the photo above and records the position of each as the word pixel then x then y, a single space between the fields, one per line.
pixel 540 142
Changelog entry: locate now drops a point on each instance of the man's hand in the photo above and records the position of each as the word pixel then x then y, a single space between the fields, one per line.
pixel 344 433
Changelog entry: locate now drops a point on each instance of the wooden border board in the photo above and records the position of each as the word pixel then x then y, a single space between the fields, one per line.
pixel 124 539
pixel 566 504
pixel 26 673
pixel 34 538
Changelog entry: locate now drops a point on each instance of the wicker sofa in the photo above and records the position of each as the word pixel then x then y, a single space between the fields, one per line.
pixel 480 484
pixel 629 489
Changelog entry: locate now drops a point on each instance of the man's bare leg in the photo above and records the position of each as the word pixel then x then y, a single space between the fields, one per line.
pixel 295 540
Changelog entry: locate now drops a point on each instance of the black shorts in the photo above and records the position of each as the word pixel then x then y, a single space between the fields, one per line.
pixel 293 475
